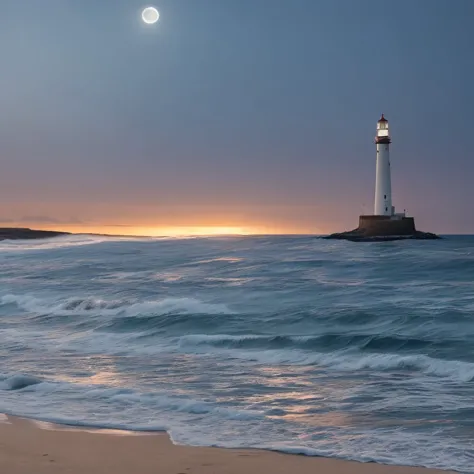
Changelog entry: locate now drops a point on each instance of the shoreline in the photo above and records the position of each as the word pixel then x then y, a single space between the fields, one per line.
pixel 27 445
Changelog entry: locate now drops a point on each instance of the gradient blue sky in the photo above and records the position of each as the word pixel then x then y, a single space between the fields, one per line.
pixel 255 113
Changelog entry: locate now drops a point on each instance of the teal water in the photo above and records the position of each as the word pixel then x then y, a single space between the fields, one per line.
pixel 356 351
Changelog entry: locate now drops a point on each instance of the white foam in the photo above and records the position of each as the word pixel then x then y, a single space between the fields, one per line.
pixel 4 419
pixel 125 307
pixel 185 405
pixel 162 401
pixel 462 371
pixel 345 360
pixel 46 423
pixel 203 423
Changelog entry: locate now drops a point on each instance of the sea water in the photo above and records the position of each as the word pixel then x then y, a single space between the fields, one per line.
pixel 297 344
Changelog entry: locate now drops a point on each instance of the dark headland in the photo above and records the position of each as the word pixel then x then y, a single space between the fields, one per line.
pixel 23 233
pixel 383 229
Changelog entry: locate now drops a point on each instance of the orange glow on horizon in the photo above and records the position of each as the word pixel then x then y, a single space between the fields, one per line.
pixel 174 220
pixel 149 231
pixel 176 226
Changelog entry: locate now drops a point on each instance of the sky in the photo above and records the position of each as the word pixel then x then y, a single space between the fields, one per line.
pixel 233 115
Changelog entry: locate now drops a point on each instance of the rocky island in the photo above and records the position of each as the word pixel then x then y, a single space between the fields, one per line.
pixel 24 233
pixel 383 229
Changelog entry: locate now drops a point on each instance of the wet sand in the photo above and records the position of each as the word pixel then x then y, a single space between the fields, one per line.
pixel 28 447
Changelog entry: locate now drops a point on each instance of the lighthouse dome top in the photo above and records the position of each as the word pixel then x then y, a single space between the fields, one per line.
pixel 383 119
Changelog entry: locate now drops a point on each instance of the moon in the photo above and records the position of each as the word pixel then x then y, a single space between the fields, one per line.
pixel 150 15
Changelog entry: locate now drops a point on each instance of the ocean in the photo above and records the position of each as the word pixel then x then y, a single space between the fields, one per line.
pixel 290 343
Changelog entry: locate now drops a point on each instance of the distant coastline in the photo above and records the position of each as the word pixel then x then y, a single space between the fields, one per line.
pixel 25 233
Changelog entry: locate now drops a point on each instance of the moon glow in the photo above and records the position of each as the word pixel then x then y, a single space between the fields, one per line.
pixel 150 15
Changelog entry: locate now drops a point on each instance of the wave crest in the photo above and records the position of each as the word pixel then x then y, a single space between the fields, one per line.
pixel 18 382
pixel 125 307
pixel 324 342
pixel 291 351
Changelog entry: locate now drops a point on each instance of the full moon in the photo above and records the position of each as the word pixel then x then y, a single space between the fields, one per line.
pixel 150 15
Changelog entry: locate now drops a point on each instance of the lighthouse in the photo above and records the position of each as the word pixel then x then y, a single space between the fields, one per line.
pixel 383 183
pixel 384 224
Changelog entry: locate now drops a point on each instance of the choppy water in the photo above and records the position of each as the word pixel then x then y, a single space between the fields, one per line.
pixel 358 351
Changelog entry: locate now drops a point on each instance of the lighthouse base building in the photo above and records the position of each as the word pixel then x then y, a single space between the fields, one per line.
pixel 385 223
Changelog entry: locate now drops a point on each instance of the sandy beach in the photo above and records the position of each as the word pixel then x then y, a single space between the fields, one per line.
pixel 30 447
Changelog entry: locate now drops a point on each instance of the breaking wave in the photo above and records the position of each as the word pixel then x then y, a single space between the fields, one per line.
pixel 17 382
pixel 328 342
pixel 124 307
pixel 291 351
pixel 125 397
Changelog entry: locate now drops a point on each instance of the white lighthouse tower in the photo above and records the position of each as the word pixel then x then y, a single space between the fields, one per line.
pixel 384 224
pixel 383 184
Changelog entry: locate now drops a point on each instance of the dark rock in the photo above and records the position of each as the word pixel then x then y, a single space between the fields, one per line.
pixel 383 229
pixel 20 233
